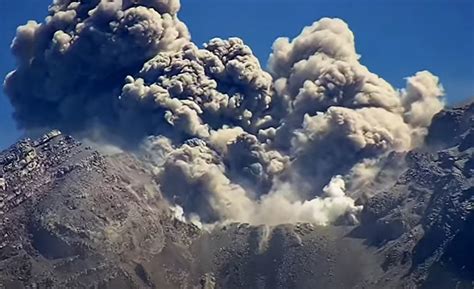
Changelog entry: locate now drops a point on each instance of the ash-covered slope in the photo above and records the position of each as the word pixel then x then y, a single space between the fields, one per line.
pixel 73 218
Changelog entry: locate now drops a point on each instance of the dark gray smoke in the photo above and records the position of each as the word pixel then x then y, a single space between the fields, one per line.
pixel 227 140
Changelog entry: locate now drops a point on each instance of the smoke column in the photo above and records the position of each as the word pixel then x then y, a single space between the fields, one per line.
pixel 227 140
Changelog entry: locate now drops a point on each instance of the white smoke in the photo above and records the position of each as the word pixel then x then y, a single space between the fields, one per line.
pixel 226 140
pixel 178 213
pixel 284 206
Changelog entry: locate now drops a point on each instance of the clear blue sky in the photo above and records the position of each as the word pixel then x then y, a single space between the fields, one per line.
pixel 396 38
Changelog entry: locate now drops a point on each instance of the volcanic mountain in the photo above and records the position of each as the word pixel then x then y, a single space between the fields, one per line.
pixel 72 217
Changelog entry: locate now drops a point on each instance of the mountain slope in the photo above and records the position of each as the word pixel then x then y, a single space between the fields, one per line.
pixel 73 218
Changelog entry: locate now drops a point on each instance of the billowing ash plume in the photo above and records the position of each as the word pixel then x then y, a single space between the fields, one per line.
pixel 205 188
pixel 342 113
pixel 76 61
pixel 226 140
pixel 198 90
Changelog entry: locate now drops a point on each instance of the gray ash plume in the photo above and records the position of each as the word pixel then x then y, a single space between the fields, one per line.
pixel 228 140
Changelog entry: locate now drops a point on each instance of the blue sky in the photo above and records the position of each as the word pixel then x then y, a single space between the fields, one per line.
pixel 396 38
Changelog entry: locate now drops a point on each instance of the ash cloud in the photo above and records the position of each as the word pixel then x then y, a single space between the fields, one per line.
pixel 75 61
pixel 226 140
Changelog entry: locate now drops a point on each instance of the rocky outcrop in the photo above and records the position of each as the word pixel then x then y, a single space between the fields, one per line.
pixel 451 126
pixel 423 224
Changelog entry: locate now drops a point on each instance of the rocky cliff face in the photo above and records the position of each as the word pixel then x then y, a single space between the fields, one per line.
pixel 73 218
pixel 425 221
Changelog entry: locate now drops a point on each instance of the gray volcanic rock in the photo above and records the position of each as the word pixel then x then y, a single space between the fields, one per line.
pixel 73 218
pixel 451 126
pixel 290 256
pixel 424 223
